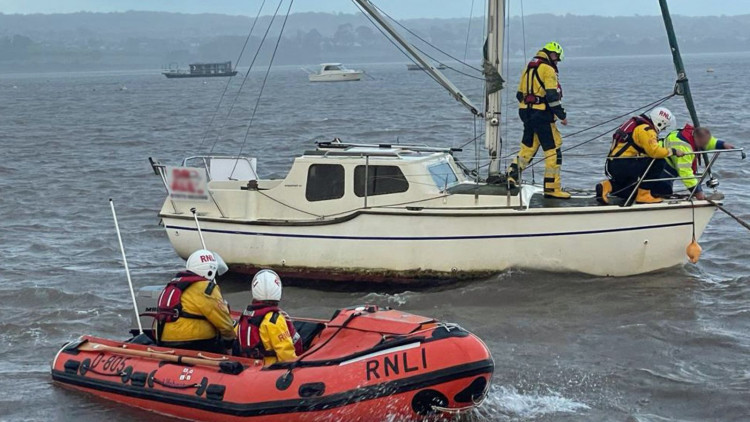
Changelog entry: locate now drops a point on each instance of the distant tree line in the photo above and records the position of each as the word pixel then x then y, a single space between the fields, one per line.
pixel 155 39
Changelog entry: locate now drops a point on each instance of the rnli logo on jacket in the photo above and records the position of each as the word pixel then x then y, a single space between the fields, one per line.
pixel 284 336
pixel 394 364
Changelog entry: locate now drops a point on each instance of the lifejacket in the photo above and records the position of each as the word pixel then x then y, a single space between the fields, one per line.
pixel 169 303
pixel 532 72
pixel 248 333
pixel 624 136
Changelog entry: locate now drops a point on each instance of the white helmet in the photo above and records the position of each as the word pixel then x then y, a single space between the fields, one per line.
pixel 221 265
pixel 663 119
pixel 266 285
pixel 203 263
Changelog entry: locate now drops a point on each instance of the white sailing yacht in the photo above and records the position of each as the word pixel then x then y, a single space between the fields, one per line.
pixel 411 213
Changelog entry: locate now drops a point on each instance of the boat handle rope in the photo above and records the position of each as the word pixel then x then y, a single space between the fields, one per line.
pixel 166 352
pixel 220 358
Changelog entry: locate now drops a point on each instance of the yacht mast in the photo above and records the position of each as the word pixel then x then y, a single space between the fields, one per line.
pixel 491 65
pixel 682 87
pixel 419 57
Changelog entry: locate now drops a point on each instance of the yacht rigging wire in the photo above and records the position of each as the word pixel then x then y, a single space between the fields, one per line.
pixel 574 146
pixel 244 80
pixel 426 42
pixel 646 106
pixel 229 80
pixel 398 47
pixel 523 29
pixel 468 30
pixel 263 85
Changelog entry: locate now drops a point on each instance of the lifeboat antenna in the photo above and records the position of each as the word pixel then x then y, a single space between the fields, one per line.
pixel 127 270
pixel 198 226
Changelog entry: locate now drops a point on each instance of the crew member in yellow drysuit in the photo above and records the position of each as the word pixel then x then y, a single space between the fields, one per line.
pixel 635 148
pixel 191 313
pixel 539 96
pixel 265 331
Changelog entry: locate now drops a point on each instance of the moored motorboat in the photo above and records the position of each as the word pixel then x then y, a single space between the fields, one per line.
pixel 335 72
pixel 364 363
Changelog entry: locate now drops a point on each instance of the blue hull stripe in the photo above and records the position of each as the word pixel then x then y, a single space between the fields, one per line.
pixel 488 236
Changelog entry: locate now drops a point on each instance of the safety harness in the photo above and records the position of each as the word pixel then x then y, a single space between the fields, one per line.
pixel 169 304
pixel 532 72
pixel 624 136
pixel 249 340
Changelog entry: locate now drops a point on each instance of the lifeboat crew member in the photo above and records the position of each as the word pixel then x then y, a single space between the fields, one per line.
pixel 634 145
pixel 265 331
pixel 539 100
pixel 688 140
pixel 191 313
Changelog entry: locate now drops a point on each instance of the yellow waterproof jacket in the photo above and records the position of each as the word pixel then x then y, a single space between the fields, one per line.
pixel 644 136
pixel 276 337
pixel 540 80
pixel 195 301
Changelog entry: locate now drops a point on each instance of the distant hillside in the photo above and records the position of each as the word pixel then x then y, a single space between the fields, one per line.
pixel 153 39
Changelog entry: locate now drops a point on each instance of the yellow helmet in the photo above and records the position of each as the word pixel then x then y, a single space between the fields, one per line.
pixel 554 47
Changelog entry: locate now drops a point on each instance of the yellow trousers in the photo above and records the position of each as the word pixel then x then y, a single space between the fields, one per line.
pixel 550 140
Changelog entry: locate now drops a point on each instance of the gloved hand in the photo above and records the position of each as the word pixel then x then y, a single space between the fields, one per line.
pixel 742 153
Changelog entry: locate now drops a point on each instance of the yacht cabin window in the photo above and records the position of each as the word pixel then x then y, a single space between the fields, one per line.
pixel 324 182
pixel 381 180
pixel 332 67
pixel 442 174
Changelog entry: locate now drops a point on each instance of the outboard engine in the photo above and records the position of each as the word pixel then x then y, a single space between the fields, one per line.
pixel 147 298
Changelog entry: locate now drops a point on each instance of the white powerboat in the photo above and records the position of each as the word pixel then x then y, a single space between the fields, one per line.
pixel 335 72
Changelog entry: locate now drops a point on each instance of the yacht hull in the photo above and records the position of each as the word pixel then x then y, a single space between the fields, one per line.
pixel 431 245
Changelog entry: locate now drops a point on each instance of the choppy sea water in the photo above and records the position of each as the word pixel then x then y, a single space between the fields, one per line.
pixel 669 346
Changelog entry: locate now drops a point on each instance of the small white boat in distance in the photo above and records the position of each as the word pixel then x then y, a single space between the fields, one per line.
pixel 415 66
pixel 335 72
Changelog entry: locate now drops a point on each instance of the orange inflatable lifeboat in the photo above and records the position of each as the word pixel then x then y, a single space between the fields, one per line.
pixel 364 364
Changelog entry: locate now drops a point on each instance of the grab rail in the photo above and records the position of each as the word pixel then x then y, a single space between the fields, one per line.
pixel 700 181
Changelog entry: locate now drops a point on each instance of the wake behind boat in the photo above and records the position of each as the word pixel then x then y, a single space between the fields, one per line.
pixel 364 361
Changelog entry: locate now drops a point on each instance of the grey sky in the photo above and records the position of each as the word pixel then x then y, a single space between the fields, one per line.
pixel 397 8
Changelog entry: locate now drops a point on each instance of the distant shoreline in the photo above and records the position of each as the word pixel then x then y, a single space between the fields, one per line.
pixel 147 40
pixel 10 74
